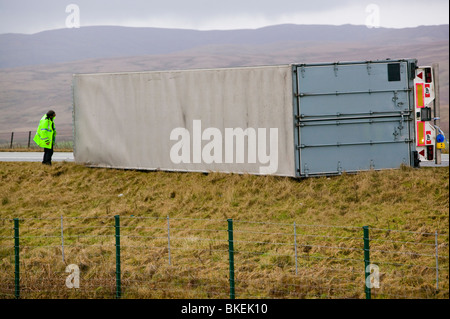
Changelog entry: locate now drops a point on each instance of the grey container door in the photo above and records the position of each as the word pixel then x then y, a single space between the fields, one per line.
pixel 352 117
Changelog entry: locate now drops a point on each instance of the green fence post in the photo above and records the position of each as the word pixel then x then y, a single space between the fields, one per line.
pixel 231 257
pixel 16 259
pixel 367 262
pixel 118 281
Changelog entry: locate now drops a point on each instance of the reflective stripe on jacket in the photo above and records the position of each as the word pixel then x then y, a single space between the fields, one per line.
pixel 45 134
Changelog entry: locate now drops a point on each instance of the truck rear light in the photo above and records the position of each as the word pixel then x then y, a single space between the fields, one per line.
pixel 428 75
pixel 430 152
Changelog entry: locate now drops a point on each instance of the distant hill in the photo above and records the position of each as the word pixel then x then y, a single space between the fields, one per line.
pixel 67 45
pixel 36 70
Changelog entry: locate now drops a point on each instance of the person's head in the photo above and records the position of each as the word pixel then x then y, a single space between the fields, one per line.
pixel 51 114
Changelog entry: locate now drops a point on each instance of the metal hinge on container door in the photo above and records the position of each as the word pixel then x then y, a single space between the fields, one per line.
pixel 395 99
pixel 335 69
pixel 369 68
pixel 339 168
pixel 306 169
pixel 396 134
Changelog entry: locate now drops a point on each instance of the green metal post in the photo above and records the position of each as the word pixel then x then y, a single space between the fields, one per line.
pixel 231 257
pixel 118 281
pixel 367 262
pixel 16 259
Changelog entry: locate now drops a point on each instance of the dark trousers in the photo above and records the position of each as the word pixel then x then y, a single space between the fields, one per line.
pixel 48 152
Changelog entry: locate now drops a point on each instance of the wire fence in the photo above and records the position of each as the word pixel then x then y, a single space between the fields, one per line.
pixel 24 139
pixel 154 257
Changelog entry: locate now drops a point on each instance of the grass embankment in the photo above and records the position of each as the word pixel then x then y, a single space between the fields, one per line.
pixel 412 200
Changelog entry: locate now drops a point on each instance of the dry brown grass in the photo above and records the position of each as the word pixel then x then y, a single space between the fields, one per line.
pixel 264 209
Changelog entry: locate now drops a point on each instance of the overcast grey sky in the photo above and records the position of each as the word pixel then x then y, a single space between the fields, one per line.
pixel 31 16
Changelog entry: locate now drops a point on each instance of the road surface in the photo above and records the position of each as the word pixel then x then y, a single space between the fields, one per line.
pixel 68 157
pixel 444 160
pixel 34 156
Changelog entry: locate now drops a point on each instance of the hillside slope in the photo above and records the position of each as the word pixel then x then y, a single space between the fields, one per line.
pixel 27 91
pixel 65 45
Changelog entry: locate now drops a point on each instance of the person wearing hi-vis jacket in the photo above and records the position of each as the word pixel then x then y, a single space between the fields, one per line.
pixel 45 136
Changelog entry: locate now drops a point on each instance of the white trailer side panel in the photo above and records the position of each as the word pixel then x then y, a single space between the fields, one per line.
pixel 126 120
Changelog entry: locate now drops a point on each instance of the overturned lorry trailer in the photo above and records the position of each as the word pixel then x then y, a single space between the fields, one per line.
pixel 295 120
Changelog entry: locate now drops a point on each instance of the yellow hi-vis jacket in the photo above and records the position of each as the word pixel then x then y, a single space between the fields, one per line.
pixel 45 134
